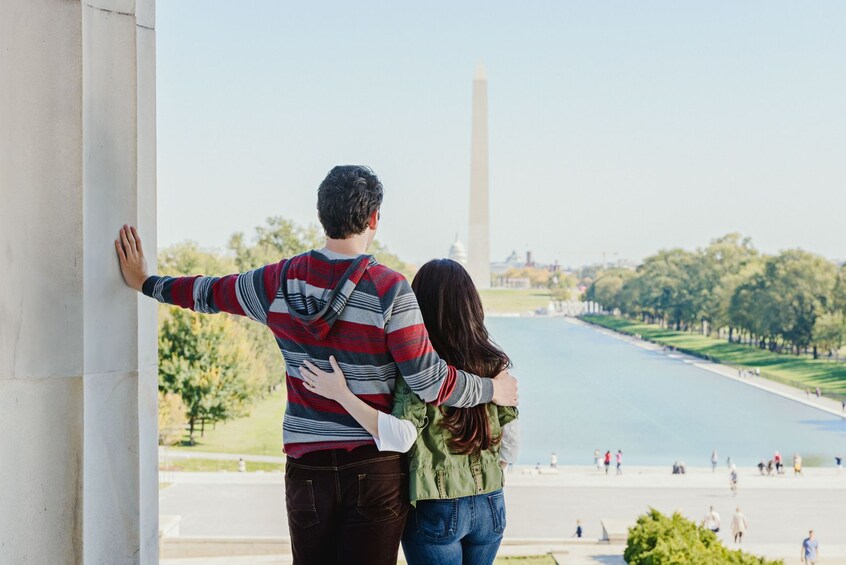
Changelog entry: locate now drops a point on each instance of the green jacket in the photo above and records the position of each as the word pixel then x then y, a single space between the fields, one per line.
pixel 434 472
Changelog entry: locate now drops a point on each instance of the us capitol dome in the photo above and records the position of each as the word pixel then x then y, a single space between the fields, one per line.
pixel 457 252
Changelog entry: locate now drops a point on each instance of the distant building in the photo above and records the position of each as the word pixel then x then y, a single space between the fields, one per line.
pixel 512 262
pixel 457 252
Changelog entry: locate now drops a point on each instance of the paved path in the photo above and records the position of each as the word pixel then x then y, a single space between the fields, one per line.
pixel 780 510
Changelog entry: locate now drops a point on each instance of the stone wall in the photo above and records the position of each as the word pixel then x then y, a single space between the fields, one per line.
pixel 78 459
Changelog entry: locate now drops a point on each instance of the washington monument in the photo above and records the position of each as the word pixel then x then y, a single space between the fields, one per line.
pixel 479 253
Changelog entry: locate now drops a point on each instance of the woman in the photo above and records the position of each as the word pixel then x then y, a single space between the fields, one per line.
pixel 456 455
pixel 739 525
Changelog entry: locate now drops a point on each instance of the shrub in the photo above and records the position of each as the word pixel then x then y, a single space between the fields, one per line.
pixel 657 539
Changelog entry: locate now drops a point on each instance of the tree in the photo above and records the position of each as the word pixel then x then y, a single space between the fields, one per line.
pixel 607 289
pixel 187 259
pixel 657 539
pixel 277 240
pixel 726 262
pixel 667 288
pixel 392 261
pixel 801 284
pixel 171 418
pixel 830 332
pixel 209 362
pixel 538 278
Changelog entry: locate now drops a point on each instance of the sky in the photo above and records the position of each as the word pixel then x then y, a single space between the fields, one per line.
pixel 614 127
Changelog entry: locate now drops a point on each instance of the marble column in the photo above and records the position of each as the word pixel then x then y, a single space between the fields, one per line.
pixel 479 251
pixel 78 455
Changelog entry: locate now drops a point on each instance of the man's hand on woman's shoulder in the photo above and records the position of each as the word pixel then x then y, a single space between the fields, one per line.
pixel 505 389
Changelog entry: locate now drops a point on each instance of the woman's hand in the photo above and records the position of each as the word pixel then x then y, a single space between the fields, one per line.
pixel 328 385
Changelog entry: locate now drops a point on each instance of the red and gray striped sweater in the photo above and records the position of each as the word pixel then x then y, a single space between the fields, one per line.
pixel 320 304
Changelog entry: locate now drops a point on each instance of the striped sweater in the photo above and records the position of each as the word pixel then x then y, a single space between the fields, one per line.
pixel 320 304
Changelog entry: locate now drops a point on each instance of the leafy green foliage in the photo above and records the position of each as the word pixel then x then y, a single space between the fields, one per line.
pixel 657 539
pixel 277 240
pixel 209 362
pixel 791 301
pixel 171 417
pixel 392 261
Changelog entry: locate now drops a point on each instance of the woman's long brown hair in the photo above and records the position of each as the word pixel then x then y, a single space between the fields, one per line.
pixel 454 317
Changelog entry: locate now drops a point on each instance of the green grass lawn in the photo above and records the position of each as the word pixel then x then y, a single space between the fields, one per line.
pixel 200 465
pixel 260 433
pixel 514 301
pixel 801 371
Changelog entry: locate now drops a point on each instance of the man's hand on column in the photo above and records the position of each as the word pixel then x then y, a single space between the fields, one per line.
pixel 133 266
pixel 505 389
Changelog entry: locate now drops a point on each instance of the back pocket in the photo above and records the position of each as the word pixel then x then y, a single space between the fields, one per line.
pixel 382 496
pixel 437 519
pixel 299 501
pixel 496 501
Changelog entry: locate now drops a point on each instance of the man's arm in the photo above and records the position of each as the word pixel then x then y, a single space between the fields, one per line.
pixel 426 373
pixel 247 294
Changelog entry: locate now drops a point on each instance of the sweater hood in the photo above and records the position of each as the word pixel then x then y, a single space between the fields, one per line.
pixel 317 285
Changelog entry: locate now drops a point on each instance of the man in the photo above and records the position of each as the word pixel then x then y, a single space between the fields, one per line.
pixel 346 501
pixel 711 520
pixel 810 549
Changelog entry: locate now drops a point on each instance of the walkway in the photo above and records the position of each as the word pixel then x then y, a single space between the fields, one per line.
pixel 780 509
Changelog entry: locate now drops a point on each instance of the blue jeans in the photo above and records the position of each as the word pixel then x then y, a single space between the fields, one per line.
pixel 453 531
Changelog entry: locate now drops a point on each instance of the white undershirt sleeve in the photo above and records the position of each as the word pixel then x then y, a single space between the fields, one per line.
pixel 509 447
pixel 395 434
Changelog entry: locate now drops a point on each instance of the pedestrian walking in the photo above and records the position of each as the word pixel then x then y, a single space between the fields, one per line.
pixel 596 459
pixel 810 549
pixel 714 460
pixel 553 460
pixel 797 464
pixel 838 463
pixel 607 461
pixel 619 462
pixel 739 525
pixel 579 532
pixel 779 464
pixel 733 480
pixel 819 392
pixel 728 462
pixel 711 520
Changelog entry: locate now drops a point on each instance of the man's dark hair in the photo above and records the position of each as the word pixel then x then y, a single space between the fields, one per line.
pixel 346 198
